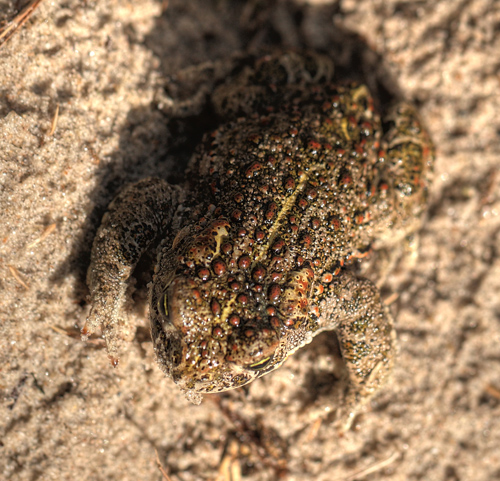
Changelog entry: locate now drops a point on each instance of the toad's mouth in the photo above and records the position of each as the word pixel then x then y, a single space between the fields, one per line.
pixel 224 378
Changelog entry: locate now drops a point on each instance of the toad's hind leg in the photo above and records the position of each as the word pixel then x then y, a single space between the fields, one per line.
pixel 408 159
pixel 405 169
pixel 133 221
pixel 367 339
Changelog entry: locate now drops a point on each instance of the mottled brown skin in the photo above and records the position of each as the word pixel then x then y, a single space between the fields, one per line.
pixel 255 249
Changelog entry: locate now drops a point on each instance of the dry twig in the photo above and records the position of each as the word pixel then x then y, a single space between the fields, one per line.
pixel 492 391
pixel 10 28
pixel 229 468
pixel 54 122
pixel 17 276
pixel 161 468
pixel 47 231
pixel 373 468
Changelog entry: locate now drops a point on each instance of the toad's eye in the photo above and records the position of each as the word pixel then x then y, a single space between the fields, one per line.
pixel 163 307
pixel 259 365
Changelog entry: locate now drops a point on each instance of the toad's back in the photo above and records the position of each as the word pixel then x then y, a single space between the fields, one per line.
pixel 309 182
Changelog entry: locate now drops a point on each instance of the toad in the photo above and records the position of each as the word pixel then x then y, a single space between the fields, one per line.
pixel 302 178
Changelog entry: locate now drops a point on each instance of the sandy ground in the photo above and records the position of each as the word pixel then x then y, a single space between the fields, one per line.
pixel 65 413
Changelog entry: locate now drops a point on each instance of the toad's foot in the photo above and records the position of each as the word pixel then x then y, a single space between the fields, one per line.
pixel 366 336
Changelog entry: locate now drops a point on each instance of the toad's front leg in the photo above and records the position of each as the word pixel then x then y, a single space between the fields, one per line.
pixel 133 221
pixel 364 326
